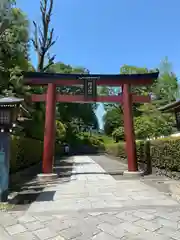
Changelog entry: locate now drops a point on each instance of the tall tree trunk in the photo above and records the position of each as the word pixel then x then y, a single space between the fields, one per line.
pixel 44 36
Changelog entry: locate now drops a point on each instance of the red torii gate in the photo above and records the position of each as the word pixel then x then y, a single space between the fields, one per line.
pixel 90 82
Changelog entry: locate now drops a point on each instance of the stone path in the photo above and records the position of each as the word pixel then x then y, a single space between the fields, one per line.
pixel 93 205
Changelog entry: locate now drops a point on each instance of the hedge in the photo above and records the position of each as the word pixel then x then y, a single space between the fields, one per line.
pixel 24 153
pixel 164 153
pixel 83 142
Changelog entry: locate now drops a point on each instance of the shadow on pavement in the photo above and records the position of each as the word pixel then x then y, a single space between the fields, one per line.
pixel 91 173
pixel 33 190
pixel 28 198
pixel 64 168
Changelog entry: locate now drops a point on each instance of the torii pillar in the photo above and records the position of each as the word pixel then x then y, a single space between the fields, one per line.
pixel 129 129
pixel 49 134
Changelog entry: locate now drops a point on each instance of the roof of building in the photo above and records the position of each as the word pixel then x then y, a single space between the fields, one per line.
pixel 10 100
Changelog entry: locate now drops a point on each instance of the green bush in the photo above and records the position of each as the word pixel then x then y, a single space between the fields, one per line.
pixel 164 153
pixel 95 142
pixel 24 153
pixel 152 123
pixel 60 131
pixel 81 140
pixel 116 149
pixel 118 134
pixel 91 141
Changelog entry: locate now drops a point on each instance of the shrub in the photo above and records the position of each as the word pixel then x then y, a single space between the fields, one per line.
pixel 152 123
pixel 91 141
pixel 96 142
pixel 60 131
pixel 85 139
pixel 164 153
pixel 118 134
pixel 24 153
pixel 116 149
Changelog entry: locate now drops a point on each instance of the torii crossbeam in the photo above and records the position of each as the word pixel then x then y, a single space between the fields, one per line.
pixel 90 83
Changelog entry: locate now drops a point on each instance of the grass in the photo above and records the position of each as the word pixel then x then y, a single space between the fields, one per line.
pixel 107 139
pixel 6 207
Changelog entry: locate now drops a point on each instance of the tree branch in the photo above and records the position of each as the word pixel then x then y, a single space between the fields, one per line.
pixel 44 35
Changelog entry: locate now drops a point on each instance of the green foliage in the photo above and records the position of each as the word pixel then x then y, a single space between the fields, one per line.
pixel 5 15
pixel 112 120
pixel 127 69
pixel 60 131
pixel 166 86
pixel 148 121
pixel 24 153
pixel 118 134
pixel 139 90
pixel 106 139
pixel 66 68
pixel 66 112
pixel 164 153
pixel 152 123
pixel 114 115
pixel 14 52
pixel 116 149
pixel 14 57
pixel 80 140
pixel 93 141
pixel 34 128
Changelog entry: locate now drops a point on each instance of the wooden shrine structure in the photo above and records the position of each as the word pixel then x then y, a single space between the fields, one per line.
pixel 90 83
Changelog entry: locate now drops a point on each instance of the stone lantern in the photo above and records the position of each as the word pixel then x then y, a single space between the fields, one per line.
pixel 9 109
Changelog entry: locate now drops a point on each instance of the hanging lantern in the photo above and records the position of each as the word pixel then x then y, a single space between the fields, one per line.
pixel 9 109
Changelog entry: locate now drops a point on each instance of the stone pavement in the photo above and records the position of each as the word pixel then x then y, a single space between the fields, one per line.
pixel 93 205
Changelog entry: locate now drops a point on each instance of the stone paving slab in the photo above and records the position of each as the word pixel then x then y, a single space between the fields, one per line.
pixel 99 190
pixel 93 205
pixel 159 223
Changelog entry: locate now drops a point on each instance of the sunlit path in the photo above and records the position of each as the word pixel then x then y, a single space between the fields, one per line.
pixel 93 205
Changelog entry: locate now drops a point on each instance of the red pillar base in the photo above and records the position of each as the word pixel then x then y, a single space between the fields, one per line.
pixel 49 135
pixel 132 174
pixel 44 177
pixel 129 129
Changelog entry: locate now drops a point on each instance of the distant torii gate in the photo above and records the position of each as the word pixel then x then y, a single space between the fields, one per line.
pixel 90 82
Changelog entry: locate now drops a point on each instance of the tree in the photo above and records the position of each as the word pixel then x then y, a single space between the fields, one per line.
pixel 42 41
pixel 166 86
pixel 148 121
pixel 113 119
pixel 127 69
pixel 44 36
pixel 153 123
pixel 6 17
pixel 66 112
pixel 139 90
pixel 14 52
pixel 114 116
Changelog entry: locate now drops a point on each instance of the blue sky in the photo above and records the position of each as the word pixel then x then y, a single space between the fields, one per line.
pixel 102 35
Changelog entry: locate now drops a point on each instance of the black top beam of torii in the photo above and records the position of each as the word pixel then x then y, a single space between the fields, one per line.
pixel 45 78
